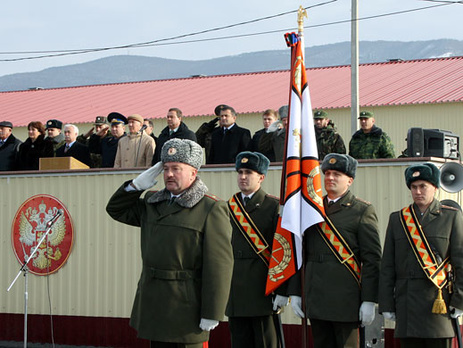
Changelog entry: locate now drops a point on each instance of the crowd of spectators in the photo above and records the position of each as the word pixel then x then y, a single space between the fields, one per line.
pixel 108 145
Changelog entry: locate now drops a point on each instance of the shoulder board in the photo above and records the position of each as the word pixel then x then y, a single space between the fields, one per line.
pixel 448 207
pixel 362 200
pixel 272 196
pixel 214 197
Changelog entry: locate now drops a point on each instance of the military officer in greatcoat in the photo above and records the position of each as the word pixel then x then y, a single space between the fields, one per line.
pixel 254 216
pixel 341 284
pixel 421 279
pixel 185 247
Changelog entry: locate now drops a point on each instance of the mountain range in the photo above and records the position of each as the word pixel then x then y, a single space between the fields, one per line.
pixel 129 68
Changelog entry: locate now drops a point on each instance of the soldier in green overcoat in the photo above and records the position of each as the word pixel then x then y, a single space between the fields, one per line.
pixel 337 302
pixel 249 310
pixel 407 295
pixel 185 247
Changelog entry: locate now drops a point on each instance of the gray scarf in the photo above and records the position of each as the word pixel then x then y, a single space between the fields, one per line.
pixel 188 199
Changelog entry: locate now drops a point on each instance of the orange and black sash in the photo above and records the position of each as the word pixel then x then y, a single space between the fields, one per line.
pixel 249 230
pixel 339 247
pixel 423 252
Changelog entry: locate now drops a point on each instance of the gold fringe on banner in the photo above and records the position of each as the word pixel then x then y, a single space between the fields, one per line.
pixel 439 306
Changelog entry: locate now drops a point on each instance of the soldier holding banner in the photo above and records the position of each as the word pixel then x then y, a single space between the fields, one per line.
pixel 254 216
pixel 421 279
pixel 342 260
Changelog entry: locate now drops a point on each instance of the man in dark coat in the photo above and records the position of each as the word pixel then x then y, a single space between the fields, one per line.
pixel 229 139
pixel 175 128
pixel 108 145
pixel 340 297
pixel 72 148
pixel 185 247
pixel 268 117
pixel 407 294
pixel 249 311
pixel 54 134
pixel 9 146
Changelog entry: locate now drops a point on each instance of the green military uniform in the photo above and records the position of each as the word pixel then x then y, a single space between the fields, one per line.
pixel 187 261
pixel 404 287
pixel 248 305
pixel 329 141
pixel 375 144
pixel 332 294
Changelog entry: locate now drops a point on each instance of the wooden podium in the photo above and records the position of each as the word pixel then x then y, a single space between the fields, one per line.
pixel 53 163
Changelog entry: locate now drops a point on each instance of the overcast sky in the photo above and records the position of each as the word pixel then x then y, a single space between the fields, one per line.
pixel 55 25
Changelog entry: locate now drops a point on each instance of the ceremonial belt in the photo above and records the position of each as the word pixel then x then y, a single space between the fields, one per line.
pixel 339 247
pixel 424 255
pixel 249 230
pixel 423 252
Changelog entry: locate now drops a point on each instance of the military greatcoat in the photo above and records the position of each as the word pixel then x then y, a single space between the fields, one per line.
pixel 404 287
pixel 187 261
pixel 247 294
pixel 332 293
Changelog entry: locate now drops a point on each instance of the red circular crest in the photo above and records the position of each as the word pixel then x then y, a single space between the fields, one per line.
pixel 31 222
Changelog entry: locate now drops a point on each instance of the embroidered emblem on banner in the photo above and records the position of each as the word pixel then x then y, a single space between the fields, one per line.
pixel 29 225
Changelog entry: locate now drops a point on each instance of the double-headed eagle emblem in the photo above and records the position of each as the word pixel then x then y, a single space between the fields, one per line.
pixel 32 226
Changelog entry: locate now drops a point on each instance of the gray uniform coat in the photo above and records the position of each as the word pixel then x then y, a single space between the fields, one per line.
pixel 187 261
pixel 247 294
pixel 404 287
pixel 332 293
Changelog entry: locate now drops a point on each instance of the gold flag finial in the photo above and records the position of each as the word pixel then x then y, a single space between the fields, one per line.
pixel 301 13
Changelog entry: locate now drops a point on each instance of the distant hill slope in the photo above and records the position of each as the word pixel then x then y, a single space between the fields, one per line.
pixel 117 69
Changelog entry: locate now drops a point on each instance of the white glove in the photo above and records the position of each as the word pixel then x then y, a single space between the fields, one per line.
pixel 455 312
pixel 147 179
pixel 208 324
pixel 296 303
pixel 389 316
pixel 367 313
pixel 274 127
pixel 279 302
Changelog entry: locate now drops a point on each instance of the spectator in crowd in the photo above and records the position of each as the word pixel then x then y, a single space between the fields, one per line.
pixel 93 138
pixel 420 284
pixel 229 139
pixel 272 141
pixel 34 148
pixel 137 148
pixel 9 147
pixel 72 148
pixel 186 249
pixel 370 141
pixel 175 128
pixel 204 132
pixel 108 145
pixel 54 134
pixel 268 117
pixel 149 129
pixel 340 284
pixel 328 139
pixel 249 310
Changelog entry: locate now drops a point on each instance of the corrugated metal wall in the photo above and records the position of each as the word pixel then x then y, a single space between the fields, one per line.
pixel 101 274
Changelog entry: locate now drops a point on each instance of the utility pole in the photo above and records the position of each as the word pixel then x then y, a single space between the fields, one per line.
pixel 354 63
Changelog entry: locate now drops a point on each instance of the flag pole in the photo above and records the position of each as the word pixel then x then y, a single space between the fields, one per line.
pixel 301 13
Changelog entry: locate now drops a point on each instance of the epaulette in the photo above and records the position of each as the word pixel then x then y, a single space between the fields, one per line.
pixel 272 196
pixel 448 207
pixel 214 197
pixel 362 200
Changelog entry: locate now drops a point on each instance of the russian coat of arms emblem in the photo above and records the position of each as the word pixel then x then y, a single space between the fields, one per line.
pixel 33 219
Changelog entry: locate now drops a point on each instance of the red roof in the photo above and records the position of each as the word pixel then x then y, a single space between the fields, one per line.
pixel 422 81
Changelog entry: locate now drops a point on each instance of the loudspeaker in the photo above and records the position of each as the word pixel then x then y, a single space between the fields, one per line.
pixel 451 177
pixel 415 142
